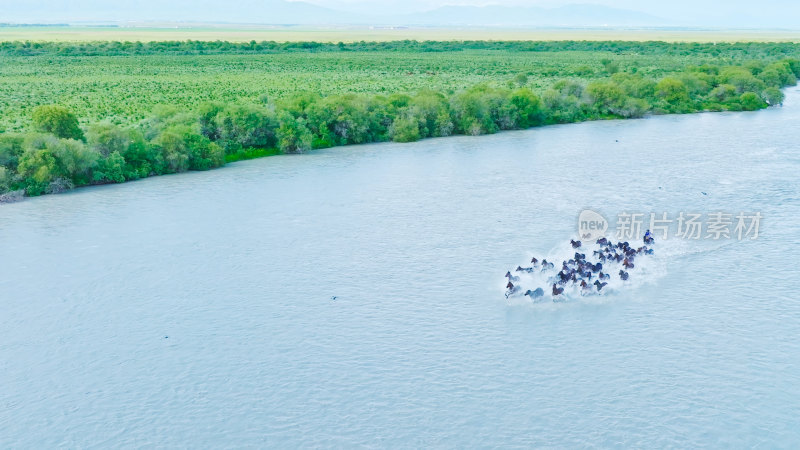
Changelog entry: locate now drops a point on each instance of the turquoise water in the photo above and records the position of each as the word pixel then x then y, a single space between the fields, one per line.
pixel 196 310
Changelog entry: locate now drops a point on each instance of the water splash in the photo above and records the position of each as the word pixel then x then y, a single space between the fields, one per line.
pixel 648 270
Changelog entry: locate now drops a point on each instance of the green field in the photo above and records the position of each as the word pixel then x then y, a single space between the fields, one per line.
pixel 73 114
pixel 124 89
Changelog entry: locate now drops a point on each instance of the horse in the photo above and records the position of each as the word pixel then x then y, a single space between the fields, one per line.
pixel 599 285
pixel 511 289
pixel 575 244
pixel 557 290
pixel 623 275
pixel 511 277
pixel 539 292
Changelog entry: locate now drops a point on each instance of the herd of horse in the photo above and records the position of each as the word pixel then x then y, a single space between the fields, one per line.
pixel 591 274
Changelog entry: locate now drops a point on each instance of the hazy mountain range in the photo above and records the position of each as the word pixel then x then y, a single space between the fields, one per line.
pixel 569 15
pixel 281 12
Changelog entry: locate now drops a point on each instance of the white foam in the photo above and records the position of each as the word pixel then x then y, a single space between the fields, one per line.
pixel 648 270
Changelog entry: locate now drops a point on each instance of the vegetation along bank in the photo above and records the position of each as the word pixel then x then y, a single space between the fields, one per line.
pixel 109 112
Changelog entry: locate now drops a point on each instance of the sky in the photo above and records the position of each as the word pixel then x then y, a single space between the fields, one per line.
pixel 713 13
pixel 652 7
pixel 671 9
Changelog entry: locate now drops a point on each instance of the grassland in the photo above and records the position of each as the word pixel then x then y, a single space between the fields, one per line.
pixel 124 89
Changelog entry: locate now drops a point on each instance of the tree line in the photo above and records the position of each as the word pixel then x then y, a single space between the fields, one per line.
pixel 734 50
pixel 58 154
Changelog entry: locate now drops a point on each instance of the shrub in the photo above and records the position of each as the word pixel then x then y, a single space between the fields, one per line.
pixel 751 102
pixel 293 135
pixel 773 96
pixel 405 129
pixel 58 121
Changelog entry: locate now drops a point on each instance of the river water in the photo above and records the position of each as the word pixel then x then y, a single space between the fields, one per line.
pixel 197 310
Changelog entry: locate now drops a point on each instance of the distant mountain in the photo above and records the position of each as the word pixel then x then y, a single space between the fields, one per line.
pixel 565 16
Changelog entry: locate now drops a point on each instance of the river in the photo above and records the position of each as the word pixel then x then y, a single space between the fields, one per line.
pixel 354 297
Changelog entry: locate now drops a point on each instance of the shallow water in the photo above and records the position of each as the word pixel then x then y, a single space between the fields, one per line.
pixel 196 310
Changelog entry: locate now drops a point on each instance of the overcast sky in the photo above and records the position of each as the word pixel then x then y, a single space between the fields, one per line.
pixel 673 9
pixel 734 13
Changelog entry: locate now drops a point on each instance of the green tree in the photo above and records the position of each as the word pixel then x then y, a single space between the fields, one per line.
pixel 723 93
pixel 405 129
pixel 106 139
pixel 293 135
pixel 75 160
pixel 751 102
pixel 632 108
pixel 48 159
pixel 348 119
pixel 58 121
pixel 207 118
pixel 241 127
pixel 298 103
pixel 432 111
pixel 605 96
pixel 675 95
pixel 698 84
pixel 10 150
pixel 483 110
pixel 203 154
pixel 110 169
pixel 37 169
pixel 171 154
pixel 561 108
pixel 742 79
pixel 529 108
pixel 672 90
pixel 773 96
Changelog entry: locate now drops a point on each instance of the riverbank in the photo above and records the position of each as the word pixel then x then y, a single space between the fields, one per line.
pixel 58 150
